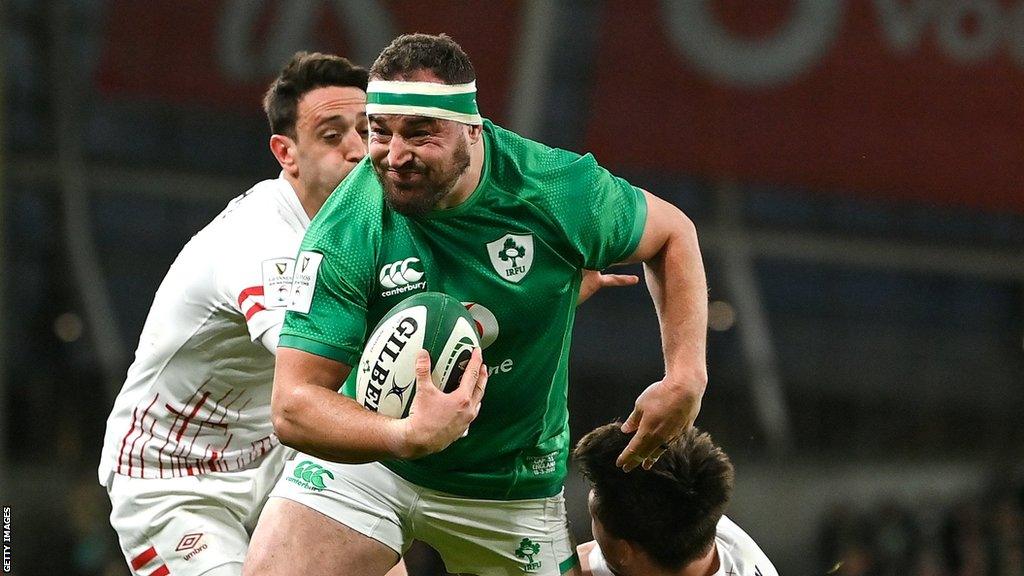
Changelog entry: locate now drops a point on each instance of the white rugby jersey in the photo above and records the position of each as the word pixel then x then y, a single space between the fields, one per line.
pixel 197 396
pixel 738 554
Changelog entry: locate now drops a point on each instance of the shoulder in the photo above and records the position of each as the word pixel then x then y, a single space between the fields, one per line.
pixel 738 550
pixel 258 214
pixel 354 210
pixel 515 157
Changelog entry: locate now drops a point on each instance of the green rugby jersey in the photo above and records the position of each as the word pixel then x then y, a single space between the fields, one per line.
pixel 512 253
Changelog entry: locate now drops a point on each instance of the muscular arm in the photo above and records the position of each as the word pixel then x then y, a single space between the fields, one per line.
pixel 309 414
pixel 675 277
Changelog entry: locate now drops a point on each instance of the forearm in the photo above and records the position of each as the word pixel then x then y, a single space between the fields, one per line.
pixel 309 415
pixel 328 425
pixel 675 277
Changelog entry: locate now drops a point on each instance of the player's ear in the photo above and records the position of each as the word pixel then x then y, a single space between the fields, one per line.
pixel 475 132
pixel 283 147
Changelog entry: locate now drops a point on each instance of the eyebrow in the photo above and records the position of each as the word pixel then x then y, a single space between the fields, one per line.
pixel 416 122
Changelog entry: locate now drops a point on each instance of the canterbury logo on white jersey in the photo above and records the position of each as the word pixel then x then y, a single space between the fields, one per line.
pixel 400 273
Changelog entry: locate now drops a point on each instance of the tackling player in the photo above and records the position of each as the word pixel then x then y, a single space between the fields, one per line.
pixel 667 520
pixel 189 454
pixel 508 224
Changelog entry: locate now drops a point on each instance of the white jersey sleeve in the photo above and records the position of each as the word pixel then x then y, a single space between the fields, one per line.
pixel 738 554
pixel 197 397
pixel 257 280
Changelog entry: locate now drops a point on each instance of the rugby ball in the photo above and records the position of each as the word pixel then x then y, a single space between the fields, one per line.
pixel 436 322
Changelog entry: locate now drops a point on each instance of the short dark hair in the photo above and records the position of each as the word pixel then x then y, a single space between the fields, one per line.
pixel 306 71
pixel 670 511
pixel 413 52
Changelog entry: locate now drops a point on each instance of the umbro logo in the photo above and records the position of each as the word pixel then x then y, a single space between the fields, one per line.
pixel 402 276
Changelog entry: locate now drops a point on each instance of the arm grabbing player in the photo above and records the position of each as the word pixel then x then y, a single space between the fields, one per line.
pixel 675 277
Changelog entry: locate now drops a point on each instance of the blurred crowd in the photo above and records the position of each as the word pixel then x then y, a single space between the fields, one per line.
pixel 980 535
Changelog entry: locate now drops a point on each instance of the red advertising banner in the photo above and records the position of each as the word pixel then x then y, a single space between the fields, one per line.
pixel 223 53
pixel 909 99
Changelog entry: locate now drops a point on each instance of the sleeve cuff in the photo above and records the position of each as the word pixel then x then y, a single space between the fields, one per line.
pixel 343 355
pixel 639 224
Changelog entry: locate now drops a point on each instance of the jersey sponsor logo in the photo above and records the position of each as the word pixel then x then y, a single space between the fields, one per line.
pixel 277 282
pixel 310 475
pixel 401 277
pixel 307 266
pixel 485 322
pixel 486 325
pixel 526 551
pixel 512 256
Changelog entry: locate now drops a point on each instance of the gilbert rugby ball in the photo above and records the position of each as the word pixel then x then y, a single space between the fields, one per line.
pixel 436 322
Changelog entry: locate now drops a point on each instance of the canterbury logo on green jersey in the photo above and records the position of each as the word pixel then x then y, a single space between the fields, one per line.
pixel 310 475
pixel 401 276
pixel 512 256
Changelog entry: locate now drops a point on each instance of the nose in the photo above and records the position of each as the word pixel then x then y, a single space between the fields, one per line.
pixel 398 152
pixel 355 146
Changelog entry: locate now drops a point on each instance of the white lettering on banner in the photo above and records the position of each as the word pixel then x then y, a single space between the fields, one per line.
pixel 368 26
pixel 966 31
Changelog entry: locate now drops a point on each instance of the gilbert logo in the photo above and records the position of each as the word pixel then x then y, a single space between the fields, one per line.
pixel 191 544
pixel 401 276
pixel 512 256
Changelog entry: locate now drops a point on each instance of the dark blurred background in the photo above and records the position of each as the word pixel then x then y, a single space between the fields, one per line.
pixel 855 170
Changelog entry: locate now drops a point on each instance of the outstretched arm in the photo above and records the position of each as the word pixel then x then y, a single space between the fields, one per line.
pixel 675 277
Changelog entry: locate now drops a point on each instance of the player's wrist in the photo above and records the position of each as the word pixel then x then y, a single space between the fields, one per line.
pixel 400 439
pixel 686 382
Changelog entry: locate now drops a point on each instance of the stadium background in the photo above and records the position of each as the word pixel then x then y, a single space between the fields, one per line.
pixel 855 170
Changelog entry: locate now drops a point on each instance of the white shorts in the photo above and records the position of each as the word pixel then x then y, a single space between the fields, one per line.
pixel 191 525
pixel 486 537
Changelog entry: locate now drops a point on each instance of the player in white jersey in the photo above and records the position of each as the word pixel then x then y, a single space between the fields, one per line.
pixel 189 454
pixel 667 520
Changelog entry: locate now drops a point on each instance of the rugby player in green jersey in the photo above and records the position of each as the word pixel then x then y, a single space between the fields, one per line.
pixel 450 202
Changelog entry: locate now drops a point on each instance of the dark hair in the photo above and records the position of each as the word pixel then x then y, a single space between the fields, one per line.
pixel 306 71
pixel 670 511
pixel 413 52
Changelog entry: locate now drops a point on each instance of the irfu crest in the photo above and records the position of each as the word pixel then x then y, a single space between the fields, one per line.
pixel 512 256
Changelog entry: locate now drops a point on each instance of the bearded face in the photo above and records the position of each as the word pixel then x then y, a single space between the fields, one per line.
pixel 418 161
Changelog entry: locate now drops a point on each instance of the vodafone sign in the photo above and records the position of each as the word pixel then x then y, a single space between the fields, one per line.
pixel 223 53
pixel 917 99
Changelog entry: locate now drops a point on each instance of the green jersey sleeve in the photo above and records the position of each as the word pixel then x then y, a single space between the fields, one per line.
pixel 335 321
pixel 602 215
pixel 327 315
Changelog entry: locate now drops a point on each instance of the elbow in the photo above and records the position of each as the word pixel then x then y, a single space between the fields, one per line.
pixel 283 412
pixel 685 226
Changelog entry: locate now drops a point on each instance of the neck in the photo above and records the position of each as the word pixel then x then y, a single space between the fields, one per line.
pixel 469 180
pixel 704 566
pixel 311 202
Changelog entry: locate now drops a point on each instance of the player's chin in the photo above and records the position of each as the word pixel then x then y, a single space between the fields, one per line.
pixel 408 201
